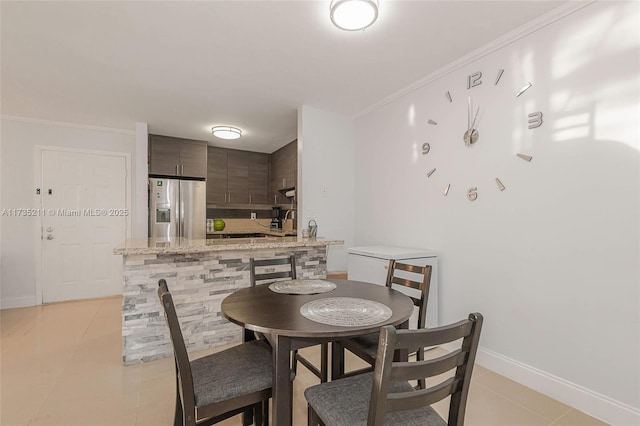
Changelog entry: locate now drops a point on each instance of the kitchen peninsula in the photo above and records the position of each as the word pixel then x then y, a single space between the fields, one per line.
pixel 200 274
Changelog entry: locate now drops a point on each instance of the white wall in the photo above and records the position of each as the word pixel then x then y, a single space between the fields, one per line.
pixel 326 178
pixel 18 139
pixel 140 222
pixel 553 261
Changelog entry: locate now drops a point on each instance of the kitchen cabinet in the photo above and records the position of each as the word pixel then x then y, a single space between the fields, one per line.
pixel 169 156
pixel 237 177
pixel 216 175
pixel 258 178
pixel 284 171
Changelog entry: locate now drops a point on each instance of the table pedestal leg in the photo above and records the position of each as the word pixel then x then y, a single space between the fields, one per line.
pixel 282 384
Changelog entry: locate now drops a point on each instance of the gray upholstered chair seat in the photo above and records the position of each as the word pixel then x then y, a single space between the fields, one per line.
pixel 215 377
pixel 368 343
pixel 346 402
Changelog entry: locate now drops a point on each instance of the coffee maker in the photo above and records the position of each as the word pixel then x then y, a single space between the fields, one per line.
pixel 275 218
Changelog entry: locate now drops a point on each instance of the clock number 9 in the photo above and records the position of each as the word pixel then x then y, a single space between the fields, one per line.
pixel 426 148
pixel 472 194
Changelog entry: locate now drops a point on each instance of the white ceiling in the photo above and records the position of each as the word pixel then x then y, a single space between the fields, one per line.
pixel 183 67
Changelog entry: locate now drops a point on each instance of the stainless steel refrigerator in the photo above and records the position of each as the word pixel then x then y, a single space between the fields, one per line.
pixel 177 208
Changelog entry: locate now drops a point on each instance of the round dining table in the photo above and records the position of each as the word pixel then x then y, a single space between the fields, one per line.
pixel 278 314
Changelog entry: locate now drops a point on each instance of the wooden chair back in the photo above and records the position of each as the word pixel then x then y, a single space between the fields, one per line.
pixel 387 371
pixel 183 366
pixel 271 275
pixel 423 273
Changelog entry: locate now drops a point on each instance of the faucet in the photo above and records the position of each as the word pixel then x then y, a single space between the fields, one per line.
pixel 286 215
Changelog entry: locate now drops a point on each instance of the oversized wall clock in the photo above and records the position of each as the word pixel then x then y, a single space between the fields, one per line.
pixel 476 129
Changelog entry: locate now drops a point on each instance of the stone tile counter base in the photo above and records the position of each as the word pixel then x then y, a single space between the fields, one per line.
pixel 198 283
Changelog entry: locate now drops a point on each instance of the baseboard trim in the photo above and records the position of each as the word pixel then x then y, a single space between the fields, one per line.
pixel 592 403
pixel 17 302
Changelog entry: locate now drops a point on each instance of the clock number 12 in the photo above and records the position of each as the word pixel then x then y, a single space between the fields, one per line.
pixel 474 80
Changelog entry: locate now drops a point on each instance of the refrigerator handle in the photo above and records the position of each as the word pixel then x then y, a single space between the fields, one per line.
pixel 182 219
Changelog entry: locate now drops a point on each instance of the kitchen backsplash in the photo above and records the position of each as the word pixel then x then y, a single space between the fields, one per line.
pixel 249 225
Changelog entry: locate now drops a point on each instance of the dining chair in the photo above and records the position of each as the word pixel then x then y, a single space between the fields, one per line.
pixel 366 347
pixel 264 271
pixel 385 396
pixel 220 385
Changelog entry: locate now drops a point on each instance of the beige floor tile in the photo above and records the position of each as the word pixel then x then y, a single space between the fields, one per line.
pixel 487 408
pixel 20 402
pixel 538 403
pixel 61 365
pixel 578 418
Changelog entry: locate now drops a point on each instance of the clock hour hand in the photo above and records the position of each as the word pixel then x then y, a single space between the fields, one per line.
pixel 471 135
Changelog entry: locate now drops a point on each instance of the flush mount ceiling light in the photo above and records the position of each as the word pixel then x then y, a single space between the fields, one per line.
pixel 226 132
pixel 354 15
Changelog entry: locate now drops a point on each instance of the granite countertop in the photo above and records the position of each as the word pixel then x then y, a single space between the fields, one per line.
pixel 272 232
pixel 136 246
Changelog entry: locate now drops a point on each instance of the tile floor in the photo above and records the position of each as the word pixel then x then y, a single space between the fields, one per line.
pixel 61 365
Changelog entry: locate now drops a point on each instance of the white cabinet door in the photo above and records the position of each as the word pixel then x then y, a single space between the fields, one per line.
pixel 367 269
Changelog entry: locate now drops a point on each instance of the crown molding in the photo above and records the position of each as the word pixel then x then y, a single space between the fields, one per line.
pixel 66 124
pixel 502 41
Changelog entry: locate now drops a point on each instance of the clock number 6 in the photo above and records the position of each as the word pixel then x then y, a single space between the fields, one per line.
pixel 472 194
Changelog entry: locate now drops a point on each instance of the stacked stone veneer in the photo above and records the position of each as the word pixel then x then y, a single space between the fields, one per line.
pixel 198 283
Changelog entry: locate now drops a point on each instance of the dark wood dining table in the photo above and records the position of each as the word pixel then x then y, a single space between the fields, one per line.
pixel 263 310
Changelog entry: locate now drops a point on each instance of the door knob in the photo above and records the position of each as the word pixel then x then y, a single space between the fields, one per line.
pixel 49 237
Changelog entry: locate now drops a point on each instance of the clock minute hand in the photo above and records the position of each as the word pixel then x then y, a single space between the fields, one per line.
pixel 473 123
pixel 469 114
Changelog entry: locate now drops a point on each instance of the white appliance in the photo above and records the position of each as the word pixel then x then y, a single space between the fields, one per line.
pixel 370 264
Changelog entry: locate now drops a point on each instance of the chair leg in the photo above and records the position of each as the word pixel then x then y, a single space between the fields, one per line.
pixel 247 417
pixel 257 414
pixel 294 365
pixel 422 384
pixel 324 362
pixel 265 411
pixel 337 360
pixel 312 417
pixel 178 416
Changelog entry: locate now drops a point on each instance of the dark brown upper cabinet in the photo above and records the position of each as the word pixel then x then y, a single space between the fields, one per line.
pixel 284 172
pixel 258 178
pixel 237 177
pixel 169 156
pixel 216 175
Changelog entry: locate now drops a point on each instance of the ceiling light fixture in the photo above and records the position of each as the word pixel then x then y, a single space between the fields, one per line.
pixel 354 15
pixel 226 132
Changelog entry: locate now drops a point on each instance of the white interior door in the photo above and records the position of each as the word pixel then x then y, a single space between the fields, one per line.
pixel 84 217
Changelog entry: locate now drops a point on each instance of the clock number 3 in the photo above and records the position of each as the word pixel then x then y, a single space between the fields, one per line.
pixel 535 119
